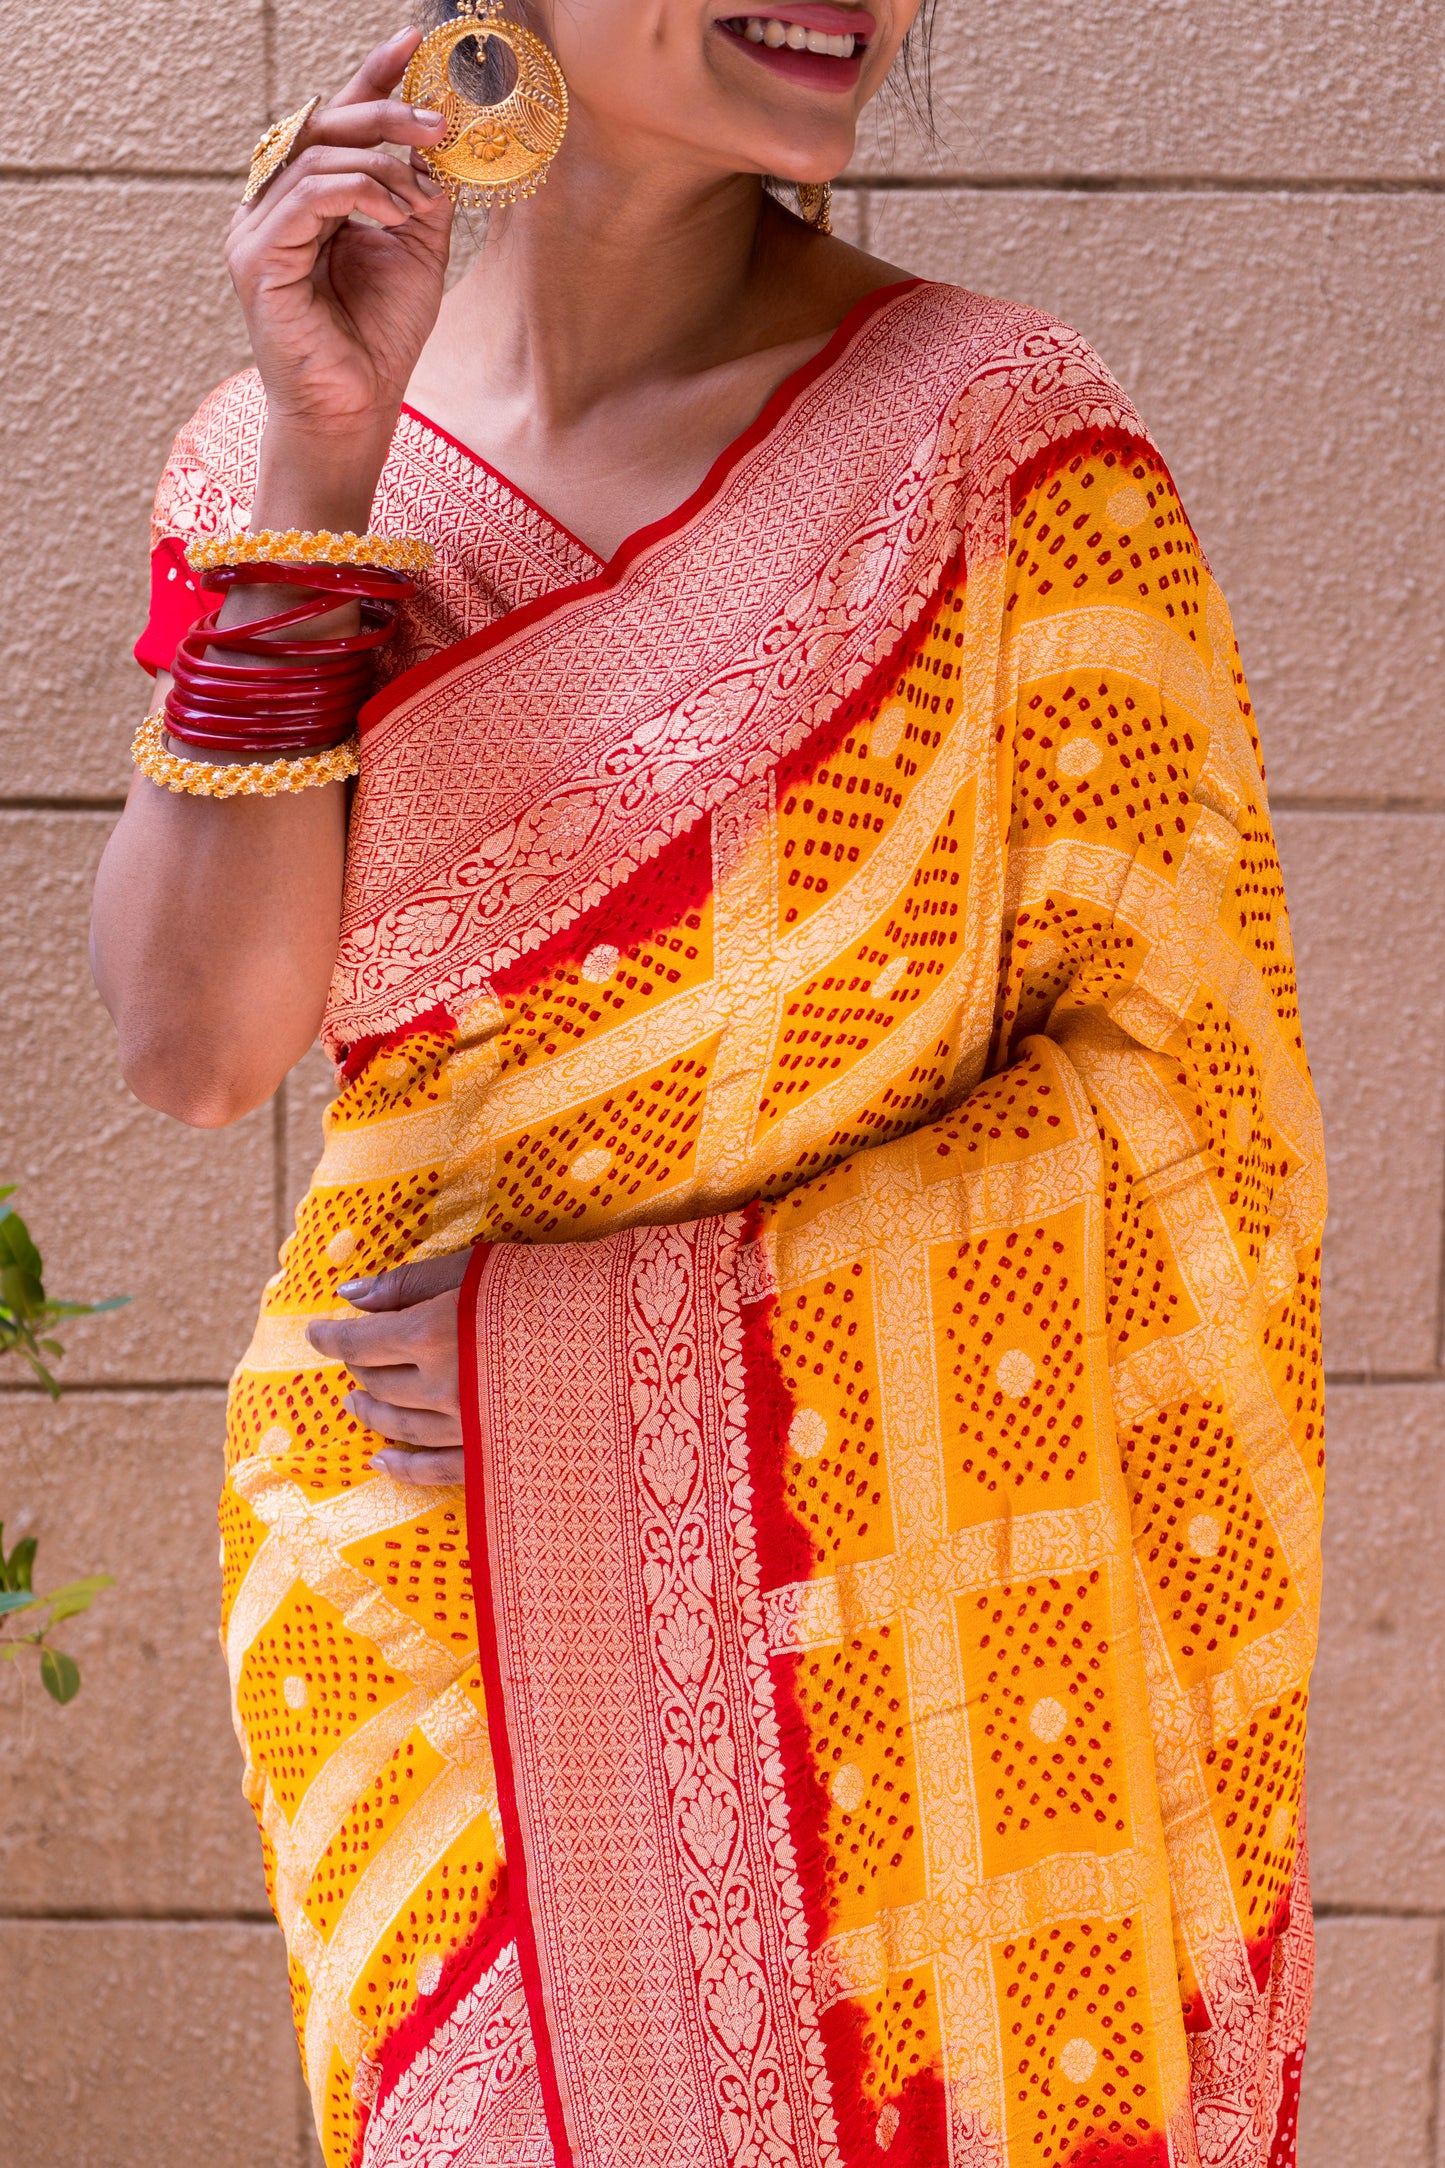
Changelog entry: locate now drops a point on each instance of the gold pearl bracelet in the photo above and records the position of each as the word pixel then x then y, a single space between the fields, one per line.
pixel 299 546
pixel 235 779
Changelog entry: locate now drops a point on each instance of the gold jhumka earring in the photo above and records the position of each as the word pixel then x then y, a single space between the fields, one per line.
pixel 815 203
pixel 490 154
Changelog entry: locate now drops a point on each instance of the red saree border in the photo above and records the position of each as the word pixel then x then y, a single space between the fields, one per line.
pixel 461 1974
pixel 504 481
pixel 470 2094
pixel 769 416
pixel 681 877
pixel 489 1655
pixel 540 764
pixel 1247 2056
pixel 632 1655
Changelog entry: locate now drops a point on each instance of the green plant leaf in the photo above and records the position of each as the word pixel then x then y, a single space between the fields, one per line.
pixel 17 1250
pixel 21 1291
pixel 60 1675
pixel 27 1346
pixel 16 1599
pixel 19 1566
pixel 27 1314
pixel 75 1597
pixel 54 1310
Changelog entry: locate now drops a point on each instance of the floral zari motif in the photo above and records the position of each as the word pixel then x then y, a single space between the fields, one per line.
pixel 470 2099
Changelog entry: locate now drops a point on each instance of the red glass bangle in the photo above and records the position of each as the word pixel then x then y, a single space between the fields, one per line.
pixel 297 694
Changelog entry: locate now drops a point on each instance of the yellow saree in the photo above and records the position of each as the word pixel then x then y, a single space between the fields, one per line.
pixel 832 963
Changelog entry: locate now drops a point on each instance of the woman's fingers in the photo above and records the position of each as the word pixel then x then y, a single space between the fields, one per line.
pixel 403 1354
pixel 425 1336
pixel 367 1343
pixel 405 1286
pixel 318 202
pixel 407 1467
pixel 398 176
pixel 287 209
pixel 404 1385
pixel 427 1427
pixel 384 120
pixel 380 72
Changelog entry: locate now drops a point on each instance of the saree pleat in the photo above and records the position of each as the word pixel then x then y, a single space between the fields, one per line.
pixel 832 964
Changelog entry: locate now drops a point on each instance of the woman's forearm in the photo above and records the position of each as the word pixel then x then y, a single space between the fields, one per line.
pixel 213 941
pixel 215 924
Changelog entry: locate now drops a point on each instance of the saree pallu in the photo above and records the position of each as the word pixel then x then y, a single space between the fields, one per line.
pixel 831 962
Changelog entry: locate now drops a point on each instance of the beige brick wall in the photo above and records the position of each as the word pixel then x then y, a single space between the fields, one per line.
pixel 1240 202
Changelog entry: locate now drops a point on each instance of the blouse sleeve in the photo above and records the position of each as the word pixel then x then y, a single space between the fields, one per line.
pixel 206 487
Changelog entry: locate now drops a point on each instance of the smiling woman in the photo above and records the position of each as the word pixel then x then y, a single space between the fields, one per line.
pixel 793 44
pixel 771 1521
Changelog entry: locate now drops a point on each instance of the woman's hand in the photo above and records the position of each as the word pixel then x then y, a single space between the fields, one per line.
pixel 339 312
pixel 403 1355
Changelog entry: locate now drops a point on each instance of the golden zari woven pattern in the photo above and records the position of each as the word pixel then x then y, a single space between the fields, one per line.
pixel 833 961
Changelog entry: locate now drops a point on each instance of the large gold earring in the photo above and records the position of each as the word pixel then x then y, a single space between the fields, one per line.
pixel 490 154
pixel 815 202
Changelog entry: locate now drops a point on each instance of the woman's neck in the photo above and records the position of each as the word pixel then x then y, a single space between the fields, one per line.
pixel 620 327
pixel 604 280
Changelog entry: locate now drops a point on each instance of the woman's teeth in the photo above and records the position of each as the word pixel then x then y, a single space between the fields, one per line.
pixel 767 30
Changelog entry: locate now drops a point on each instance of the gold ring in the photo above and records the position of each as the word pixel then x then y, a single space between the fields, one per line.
pixel 275 147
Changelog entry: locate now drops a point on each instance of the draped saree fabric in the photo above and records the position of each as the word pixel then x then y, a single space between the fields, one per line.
pixel 831 962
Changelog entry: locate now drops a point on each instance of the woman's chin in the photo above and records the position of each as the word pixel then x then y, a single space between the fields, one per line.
pixel 796 153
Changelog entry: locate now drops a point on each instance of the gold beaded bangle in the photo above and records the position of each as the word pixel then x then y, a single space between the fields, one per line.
pixel 298 546
pixel 236 779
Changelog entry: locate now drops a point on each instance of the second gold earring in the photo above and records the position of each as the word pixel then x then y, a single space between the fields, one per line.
pixel 490 154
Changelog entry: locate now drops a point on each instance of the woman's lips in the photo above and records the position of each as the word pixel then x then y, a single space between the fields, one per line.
pixel 827 15
pixel 774 40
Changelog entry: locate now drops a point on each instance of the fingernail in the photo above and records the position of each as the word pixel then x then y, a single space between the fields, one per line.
pixel 427 185
pixel 352 1290
pixel 348 1401
pixel 427 118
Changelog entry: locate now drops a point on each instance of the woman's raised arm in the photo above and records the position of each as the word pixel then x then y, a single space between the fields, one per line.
pixel 215 921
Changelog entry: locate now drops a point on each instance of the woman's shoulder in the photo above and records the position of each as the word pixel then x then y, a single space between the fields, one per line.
pixel 209 479
pixel 1007 378
pixel 973 337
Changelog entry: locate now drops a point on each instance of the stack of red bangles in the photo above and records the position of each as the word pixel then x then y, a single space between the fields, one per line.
pixel 287 719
